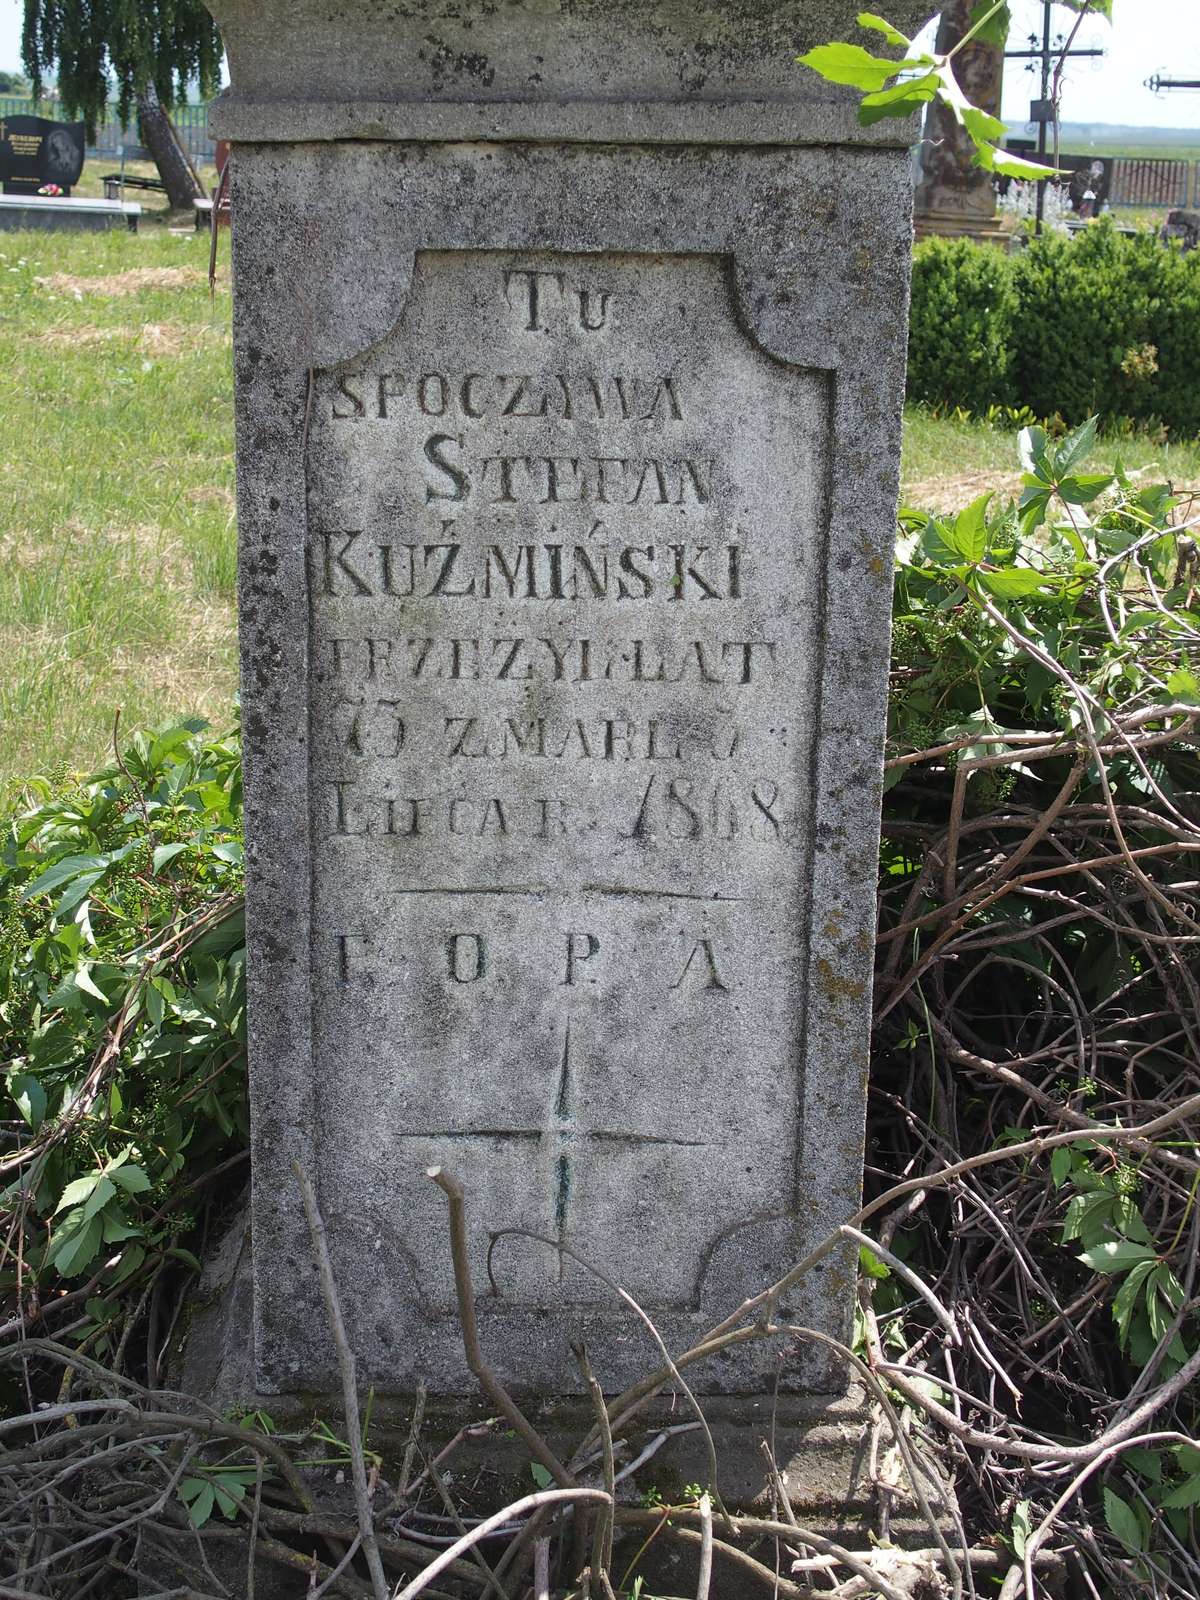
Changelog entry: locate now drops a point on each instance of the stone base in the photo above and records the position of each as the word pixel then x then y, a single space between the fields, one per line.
pixel 954 225
pixel 822 1442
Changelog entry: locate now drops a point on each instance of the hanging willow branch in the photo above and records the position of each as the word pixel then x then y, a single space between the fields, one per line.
pixel 95 45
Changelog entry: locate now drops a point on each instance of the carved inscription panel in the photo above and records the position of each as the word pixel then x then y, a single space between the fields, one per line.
pixel 565 551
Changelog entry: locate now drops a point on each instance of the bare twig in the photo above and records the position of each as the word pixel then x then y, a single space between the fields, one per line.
pixel 346 1367
pixel 452 1189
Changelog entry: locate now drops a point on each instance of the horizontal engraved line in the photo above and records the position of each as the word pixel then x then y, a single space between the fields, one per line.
pixel 646 1138
pixel 495 888
pixel 567 1135
pixel 474 1133
pixel 657 894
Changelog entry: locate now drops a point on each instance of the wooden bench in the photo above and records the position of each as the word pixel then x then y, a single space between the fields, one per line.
pixel 114 182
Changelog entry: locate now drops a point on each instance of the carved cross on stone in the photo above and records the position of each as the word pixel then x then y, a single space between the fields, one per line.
pixel 566 1137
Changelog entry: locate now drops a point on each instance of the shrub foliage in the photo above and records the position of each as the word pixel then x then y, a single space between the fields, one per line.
pixel 121 1004
pixel 1104 324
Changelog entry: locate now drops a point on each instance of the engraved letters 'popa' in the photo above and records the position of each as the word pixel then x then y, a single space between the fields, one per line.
pixel 566 478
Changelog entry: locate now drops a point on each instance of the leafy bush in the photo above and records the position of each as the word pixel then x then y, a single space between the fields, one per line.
pixel 121 1017
pixel 1037 967
pixel 1101 324
pixel 960 343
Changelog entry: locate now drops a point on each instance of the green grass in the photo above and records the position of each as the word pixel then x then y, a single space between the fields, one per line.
pixel 944 450
pixel 116 478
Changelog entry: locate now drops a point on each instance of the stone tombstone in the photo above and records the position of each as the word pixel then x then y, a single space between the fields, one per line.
pixel 35 152
pixel 569 356
pixel 955 197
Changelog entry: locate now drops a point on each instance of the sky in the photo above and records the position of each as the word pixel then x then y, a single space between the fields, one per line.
pixel 1146 36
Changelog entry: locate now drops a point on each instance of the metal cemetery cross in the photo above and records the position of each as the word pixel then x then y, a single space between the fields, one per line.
pixel 1042 110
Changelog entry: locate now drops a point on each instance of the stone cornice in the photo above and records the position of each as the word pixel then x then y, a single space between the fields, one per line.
pixel 624 71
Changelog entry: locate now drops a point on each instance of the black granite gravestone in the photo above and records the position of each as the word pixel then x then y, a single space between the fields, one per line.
pixel 36 153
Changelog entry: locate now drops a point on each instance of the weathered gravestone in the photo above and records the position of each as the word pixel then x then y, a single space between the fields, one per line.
pixel 570 340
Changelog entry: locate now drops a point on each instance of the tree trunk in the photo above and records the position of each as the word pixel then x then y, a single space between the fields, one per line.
pixel 951 187
pixel 179 177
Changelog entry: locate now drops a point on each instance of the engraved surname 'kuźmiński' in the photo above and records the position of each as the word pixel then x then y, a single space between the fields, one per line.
pixel 354 566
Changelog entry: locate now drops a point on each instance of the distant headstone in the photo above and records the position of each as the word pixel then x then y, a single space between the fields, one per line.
pixel 37 154
pixel 955 196
pixel 570 353
pixel 1089 184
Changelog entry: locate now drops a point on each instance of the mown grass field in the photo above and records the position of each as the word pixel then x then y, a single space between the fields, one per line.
pixel 116 489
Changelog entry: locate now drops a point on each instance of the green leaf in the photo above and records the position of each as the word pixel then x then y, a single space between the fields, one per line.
pixel 223 936
pixel 868 19
pixel 901 100
pixel 1078 444
pixel 1184 685
pixel 78 1191
pixel 1015 583
pixel 541 1475
pixel 1146 1463
pixel 164 853
pixel 78 890
pixel 1033 508
pixel 228 850
pixel 981 125
pixel 995 30
pixel 1081 488
pixel 851 64
pixel 83 981
pixel 116 1228
pixel 979 722
pixel 1116 1255
pixel 199 1496
pixel 1123 1522
pixel 871 1265
pixel 1127 1297
pixel 1022 1526
pixel 1127 1219
pixel 1031 447
pixel 1008 165
pixel 131 1259
pixel 62 870
pixel 99 1197
pixel 75 1244
pixel 230 1492
pixel 1060 1165
pixel 132 1179
pixel 1183 1497
pixel 29 1096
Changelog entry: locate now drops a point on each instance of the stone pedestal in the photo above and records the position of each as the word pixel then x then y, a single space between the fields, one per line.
pixel 569 342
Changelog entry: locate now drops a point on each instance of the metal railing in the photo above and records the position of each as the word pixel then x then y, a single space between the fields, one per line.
pixel 111 138
pixel 1154 181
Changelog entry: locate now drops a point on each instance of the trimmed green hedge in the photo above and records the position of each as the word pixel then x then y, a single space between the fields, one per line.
pixel 963 319
pixel 1103 323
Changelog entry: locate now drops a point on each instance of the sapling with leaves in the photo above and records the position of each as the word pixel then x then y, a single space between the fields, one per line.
pixel 122 1001
pixel 898 88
